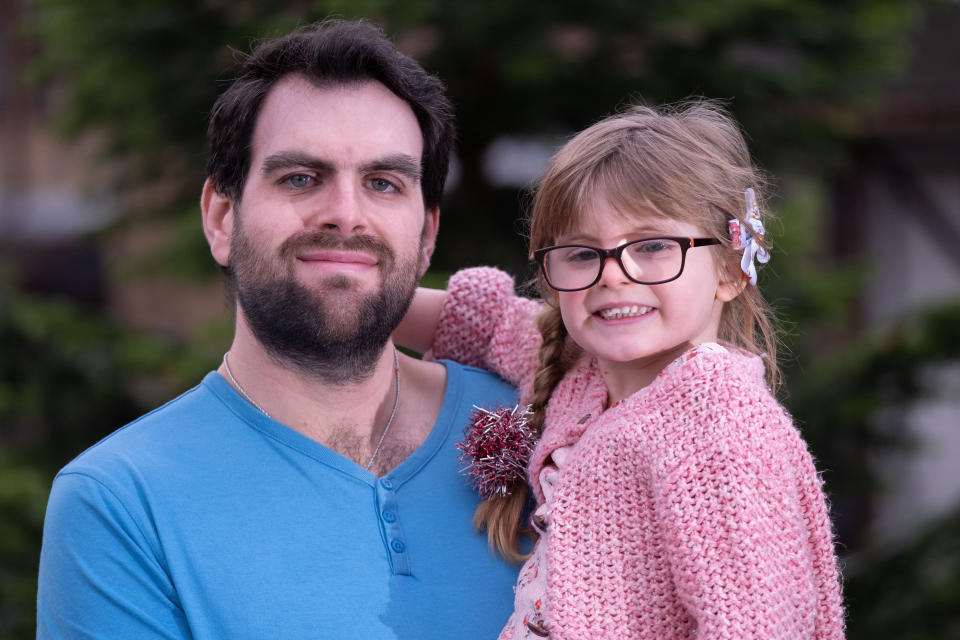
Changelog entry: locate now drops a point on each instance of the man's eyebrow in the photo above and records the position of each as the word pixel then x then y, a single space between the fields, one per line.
pixel 293 160
pixel 399 163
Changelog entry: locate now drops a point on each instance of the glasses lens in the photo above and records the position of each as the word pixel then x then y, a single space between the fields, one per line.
pixel 572 267
pixel 646 261
pixel 653 260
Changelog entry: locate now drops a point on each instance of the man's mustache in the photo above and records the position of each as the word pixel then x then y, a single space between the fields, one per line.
pixel 306 241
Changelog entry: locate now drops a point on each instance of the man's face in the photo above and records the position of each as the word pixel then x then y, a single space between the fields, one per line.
pixel 330 236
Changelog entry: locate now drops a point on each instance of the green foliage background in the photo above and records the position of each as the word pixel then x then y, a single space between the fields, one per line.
pixel 799 74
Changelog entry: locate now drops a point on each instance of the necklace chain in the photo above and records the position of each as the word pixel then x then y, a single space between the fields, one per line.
pixel 383 435
pixel 393 412
pixel 243 392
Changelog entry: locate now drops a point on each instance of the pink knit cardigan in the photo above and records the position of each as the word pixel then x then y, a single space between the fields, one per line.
pixel 690 510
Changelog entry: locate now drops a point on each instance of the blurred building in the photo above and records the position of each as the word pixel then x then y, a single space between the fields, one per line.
pixel 53 203
pixel 46 207
pixel 899 206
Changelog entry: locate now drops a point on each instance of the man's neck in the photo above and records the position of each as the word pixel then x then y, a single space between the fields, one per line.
pixel 348 418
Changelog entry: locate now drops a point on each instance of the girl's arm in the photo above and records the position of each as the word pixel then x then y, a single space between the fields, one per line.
pixel 478 321
pixel 418 328
pixel 750 546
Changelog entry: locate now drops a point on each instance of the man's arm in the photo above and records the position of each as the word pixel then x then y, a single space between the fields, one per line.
pixel 418 328
pixel 100 570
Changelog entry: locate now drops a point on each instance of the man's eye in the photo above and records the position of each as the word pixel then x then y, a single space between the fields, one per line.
pixel 299 180
pixel 382 185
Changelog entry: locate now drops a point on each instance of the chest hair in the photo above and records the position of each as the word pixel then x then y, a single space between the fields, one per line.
pixel 345 442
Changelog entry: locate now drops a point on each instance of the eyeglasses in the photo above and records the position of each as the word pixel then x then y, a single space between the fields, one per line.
pixel 572 267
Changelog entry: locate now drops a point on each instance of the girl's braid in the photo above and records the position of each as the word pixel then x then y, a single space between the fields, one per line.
pixel 502 515
pixel 557 355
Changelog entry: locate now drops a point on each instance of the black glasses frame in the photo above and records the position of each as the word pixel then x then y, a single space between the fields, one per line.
pixel 540 255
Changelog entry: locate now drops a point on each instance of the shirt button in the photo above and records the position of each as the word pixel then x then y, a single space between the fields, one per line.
pixel 386 484
pixel 398 546
pixel 389 516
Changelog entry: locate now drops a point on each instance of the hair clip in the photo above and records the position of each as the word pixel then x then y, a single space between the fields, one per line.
pixel 497 445
pixel 746 238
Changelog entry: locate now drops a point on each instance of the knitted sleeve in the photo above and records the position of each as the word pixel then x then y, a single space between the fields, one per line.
pixel 485 324
pixel 743 549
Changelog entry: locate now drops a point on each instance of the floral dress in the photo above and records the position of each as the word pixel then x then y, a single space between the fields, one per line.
pixel 527 618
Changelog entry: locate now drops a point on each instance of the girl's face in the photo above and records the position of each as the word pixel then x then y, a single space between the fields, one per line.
pixel 634 329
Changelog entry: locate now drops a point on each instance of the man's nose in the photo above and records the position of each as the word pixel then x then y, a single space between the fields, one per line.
pixel 340 209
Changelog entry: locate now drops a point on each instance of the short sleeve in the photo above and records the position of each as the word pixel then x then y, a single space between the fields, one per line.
pixel 101 575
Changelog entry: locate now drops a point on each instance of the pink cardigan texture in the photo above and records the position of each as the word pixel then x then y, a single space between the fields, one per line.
pixel 692 509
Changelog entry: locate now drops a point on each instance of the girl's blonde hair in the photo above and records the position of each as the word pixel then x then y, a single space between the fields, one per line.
pixel 688 163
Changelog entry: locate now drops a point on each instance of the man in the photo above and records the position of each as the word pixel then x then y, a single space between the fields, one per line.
pixel 309 487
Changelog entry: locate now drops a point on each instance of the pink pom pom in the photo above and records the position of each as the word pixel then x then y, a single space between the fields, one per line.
pixel 497 445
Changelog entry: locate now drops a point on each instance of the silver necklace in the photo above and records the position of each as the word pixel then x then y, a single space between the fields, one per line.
pixel 226 365
pixel 393 413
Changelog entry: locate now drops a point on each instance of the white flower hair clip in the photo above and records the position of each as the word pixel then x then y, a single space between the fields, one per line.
pixel 746 239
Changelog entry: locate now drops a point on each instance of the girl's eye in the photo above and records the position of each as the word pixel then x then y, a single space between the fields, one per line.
pixel 299 180
pixel 650 248
pixel 382 185
pixel 580 255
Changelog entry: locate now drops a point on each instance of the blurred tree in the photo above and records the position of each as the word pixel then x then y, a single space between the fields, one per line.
pixel 911 593
pixel 145 73
pixel 60 389
pixel 67 378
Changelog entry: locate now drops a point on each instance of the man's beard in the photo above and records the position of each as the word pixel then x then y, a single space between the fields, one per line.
pixel 324 336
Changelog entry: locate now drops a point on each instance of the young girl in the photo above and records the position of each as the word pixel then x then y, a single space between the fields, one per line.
pixel 674 496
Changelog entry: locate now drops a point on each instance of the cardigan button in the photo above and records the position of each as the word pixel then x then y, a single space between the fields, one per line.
pixel 584 419
pixel 539 523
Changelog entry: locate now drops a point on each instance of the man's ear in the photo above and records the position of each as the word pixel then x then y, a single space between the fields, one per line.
pixel 431 224
pixel 730 286
pixel 218 218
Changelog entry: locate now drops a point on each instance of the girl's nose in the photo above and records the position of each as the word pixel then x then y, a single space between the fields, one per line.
pixel 611 274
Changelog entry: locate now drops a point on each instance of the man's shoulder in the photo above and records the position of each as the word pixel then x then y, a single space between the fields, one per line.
pixel 164 429
pixel 476 381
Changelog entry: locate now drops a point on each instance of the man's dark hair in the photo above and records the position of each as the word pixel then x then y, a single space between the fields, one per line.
pixel 328 53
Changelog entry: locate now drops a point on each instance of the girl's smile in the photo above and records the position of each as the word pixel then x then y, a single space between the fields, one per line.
pixel 628 311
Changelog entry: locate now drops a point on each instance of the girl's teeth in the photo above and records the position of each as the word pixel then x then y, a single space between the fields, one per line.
pixel 630 311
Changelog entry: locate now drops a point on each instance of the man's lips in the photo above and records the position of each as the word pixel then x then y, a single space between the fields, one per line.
pixel 337 258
